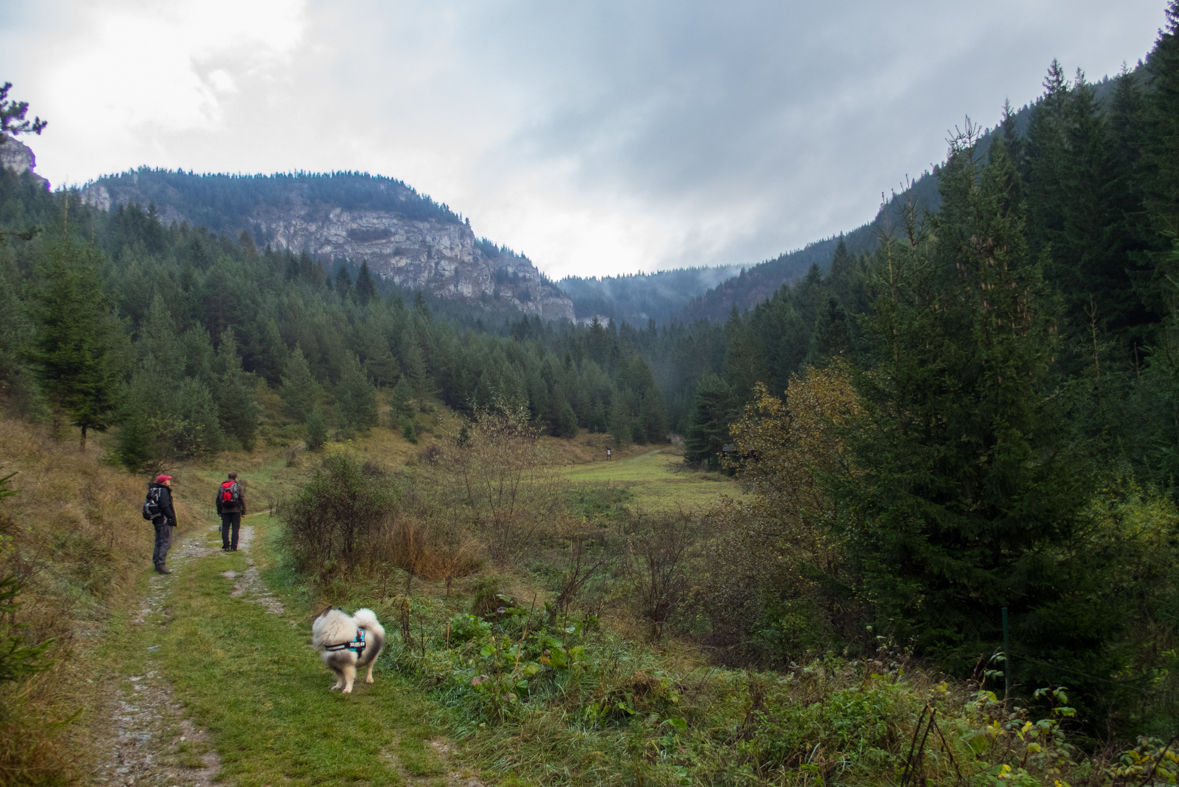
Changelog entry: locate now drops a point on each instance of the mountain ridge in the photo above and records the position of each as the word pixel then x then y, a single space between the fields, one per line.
pixel 405 237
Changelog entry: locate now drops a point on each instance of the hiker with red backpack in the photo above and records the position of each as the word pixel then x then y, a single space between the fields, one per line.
pixel 231 506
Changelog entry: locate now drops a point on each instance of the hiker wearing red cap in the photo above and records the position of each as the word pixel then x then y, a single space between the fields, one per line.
pixel 231 507
pixel 163 519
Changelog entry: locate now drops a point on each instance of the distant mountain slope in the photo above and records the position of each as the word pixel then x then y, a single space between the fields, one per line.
pixel 642 296
pixel 405 237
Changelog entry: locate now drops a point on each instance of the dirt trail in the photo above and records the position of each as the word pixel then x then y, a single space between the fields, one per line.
pixel 151 743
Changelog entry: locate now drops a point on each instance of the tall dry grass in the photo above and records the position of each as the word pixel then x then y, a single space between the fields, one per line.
pixel 78 544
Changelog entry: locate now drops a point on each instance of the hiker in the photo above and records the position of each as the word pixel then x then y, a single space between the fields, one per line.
pixel 159 496
pixel 607 454
pixel 231 506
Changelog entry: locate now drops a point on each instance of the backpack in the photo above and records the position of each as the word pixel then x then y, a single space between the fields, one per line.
pixel 151 506
pixel 231 494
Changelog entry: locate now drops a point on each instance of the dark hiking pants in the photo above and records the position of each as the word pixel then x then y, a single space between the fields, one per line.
pixel 228 521
pixel 163 542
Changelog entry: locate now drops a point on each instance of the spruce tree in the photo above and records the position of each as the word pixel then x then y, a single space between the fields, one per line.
pixel 566 426
pixel 1083 265
pixel 401 401
pixel 414 366
pixel 597 420
pixel 316 429
pixel 743 365
pixel 620 423
pixel 236 407
pixel 1043 178
pixel 1162 115
pixel 1131 238
pixel 74 351
pixel 299 389
pixel 356 399
pixel 832 335
pixel 343 282
pixel 1159 166
pixel 17 382
pixel 711 414
pixel 972 494
pixel 366 288
pixel 653 416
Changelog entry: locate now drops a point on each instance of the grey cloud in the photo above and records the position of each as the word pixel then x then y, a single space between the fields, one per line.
pixel 730 132
pixel 802 113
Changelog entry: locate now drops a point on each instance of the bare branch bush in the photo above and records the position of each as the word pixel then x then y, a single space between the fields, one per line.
pixel 591 557
pixel 660 550
pixel 499 485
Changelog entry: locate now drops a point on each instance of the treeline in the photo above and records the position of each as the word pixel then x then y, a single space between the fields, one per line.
pixel 1095 182
pixel 225 203
pixel 175 335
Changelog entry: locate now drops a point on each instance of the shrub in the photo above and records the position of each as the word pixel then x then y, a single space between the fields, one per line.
pixel 659 551
pixel 341 507
pixel 497 484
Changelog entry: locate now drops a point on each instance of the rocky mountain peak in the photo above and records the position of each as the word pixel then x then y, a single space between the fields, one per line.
pixel 405 237
pixel 18 157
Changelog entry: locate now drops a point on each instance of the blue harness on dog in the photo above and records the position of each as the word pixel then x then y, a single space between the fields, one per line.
pixel 356 645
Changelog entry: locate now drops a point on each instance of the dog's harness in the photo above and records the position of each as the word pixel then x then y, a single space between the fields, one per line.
pixel 356 645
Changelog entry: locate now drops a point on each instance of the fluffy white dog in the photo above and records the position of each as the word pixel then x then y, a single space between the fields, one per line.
pixel 345 643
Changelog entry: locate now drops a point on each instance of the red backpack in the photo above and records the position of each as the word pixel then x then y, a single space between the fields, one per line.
pixel 231 493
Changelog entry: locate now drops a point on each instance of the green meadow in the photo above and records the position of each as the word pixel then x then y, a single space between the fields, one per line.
pixel 655 481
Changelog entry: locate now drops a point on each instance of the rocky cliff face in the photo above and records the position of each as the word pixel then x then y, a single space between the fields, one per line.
pixel 438 253
pixel 19 158
pixel 443 258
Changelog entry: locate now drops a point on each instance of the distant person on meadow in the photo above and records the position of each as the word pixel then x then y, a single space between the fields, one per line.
pixel 159 499
pixel 607 454
pixel 231 507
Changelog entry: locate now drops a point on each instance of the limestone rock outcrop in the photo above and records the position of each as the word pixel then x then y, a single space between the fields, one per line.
pixel 18 157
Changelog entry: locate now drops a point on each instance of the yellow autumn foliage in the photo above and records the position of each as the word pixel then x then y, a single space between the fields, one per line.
pixel 778 555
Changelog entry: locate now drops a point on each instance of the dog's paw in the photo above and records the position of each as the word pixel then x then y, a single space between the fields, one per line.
pixel 337 687
pixel 368 680
pixel 347 689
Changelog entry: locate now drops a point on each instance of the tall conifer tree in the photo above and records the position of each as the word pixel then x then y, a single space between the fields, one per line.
pixel 74 351
pixel 972 499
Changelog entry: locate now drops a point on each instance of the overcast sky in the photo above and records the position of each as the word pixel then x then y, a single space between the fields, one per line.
pixel 596 137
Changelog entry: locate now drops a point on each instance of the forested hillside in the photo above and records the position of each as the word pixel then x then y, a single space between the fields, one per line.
pixel 637 298
pixel 345 218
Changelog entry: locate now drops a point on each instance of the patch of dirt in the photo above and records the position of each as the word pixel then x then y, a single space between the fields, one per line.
pixel 251 581
pixel 153 744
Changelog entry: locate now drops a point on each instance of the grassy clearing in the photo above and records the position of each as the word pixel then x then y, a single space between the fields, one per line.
pixel 655 481
pixel 252 680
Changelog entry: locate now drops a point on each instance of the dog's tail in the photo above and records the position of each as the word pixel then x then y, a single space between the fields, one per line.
pixel 367 619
